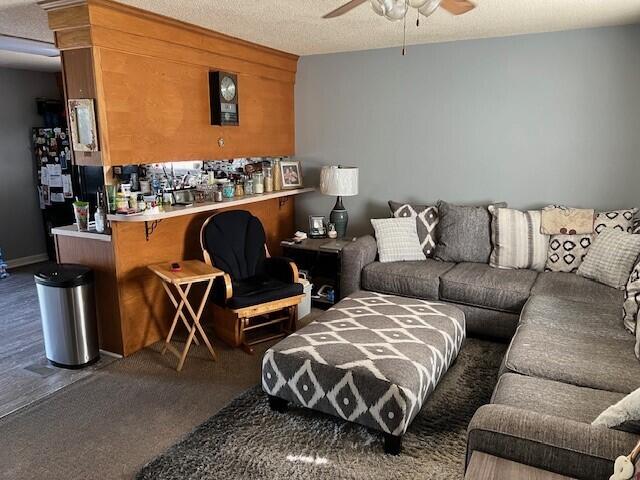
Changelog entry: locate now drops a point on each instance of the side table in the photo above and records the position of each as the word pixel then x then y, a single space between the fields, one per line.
pixel 322 258
pixel 191 272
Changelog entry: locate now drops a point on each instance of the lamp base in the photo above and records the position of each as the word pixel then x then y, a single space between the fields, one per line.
pixel 339 218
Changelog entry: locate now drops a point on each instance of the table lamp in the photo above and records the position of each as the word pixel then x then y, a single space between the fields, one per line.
pixel 341 182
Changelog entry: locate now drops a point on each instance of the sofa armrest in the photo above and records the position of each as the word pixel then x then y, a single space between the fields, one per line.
pixel 356 256
pixel 547 442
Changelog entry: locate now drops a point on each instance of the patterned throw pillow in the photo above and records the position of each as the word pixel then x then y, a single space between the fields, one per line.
pixel 611 258
pixel 426 221
pixel 632 300
pixel 397 239
pixel 621 220
pixel 566 252
pixel 517 241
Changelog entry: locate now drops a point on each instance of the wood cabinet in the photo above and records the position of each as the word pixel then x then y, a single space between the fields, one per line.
pixel 149 76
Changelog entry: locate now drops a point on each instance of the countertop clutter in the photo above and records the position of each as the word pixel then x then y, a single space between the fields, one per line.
pixel 169 211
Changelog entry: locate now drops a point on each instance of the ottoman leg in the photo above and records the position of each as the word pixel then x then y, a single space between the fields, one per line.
pixel 278 404
pixel 392 444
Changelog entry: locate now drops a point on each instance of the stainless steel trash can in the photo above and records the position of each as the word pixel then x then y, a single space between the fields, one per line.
pixel 68 311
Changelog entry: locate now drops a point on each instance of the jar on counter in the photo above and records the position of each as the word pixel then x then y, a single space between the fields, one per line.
pixel 258 182
pixel 122 203
pixel 141 204
pixel 239 190
pixel 228 190
pixel 248 187
pixel 277 176
pixel 217 194
pixel 268 179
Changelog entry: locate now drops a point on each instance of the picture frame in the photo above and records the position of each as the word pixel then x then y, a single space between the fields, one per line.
pixel 317 226
pixel 291 174
pixel 82 118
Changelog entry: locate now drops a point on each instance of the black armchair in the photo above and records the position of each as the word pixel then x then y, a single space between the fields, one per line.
pixel 257 291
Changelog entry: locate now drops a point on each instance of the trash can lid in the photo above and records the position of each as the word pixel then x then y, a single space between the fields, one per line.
pixel 63 275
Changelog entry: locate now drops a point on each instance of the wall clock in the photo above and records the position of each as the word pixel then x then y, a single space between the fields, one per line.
pixel 223 95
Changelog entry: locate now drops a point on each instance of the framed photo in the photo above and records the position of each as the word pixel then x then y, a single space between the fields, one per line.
pixel 84 134
pixel 317 227
pixel 291 174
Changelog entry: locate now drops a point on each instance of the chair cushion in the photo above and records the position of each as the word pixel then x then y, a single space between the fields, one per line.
pixel 259 289
pixel 574 316
pixel 420 279
pixel 480 285
pixel 570 285
pixel 582 359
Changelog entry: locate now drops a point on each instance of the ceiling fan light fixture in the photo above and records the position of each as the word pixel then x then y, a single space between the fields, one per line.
pixel 397 11
pixel 378 7
pixel 417 3
pixel 429 7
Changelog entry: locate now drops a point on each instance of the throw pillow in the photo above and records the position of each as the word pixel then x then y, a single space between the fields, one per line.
pixel 624 415
pixel 566 252
pixel 632 300
pixel 621 220
pixel 464 233
pixel 561 220
pixel 426 222
pixel 397 239
pixel 611 258
pixel 517 241
pixel 636 225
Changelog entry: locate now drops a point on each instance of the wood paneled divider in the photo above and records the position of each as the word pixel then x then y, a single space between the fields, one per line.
pixel 148 76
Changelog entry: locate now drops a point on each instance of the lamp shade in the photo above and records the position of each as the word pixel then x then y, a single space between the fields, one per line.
pixel 339 181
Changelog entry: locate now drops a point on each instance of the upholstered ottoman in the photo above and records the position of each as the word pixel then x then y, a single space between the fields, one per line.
pixel 372 359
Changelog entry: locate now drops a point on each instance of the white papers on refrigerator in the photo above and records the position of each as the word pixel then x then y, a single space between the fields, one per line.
pixel 67 187
pixel 55 175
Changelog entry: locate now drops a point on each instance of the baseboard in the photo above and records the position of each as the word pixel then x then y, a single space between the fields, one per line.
pixel 22 261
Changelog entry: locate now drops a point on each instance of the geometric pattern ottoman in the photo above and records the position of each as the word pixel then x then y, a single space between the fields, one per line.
pixel 372 359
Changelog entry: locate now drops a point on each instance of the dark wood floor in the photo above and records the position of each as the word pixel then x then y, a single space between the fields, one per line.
pixel 25 375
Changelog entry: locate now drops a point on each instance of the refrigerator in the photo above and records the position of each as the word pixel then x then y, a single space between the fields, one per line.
pixel 59 181
pixel 55 181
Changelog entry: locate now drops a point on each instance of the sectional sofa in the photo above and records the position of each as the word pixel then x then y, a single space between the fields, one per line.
pixel 569 357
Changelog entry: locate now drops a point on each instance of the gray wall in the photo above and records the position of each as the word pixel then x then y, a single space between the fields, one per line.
pixel 531 120
pixel 21 230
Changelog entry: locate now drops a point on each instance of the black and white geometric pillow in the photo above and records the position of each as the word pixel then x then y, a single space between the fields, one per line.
pixel 621 220
pixel 566 252
pixel 636 225
pixel 426 222
pixel 632 300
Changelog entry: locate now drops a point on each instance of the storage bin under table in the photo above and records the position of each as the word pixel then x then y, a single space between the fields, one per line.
pixel 372 359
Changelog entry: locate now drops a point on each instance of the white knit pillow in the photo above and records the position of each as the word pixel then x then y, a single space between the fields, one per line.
pixel 397 239
pixel 624 415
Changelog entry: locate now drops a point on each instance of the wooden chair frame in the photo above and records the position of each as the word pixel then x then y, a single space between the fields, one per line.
pixel 232 325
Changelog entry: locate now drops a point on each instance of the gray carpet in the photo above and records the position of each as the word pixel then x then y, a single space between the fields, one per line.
pixel 247 440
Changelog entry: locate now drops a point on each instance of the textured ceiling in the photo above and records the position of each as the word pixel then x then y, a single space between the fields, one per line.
pixel 295 25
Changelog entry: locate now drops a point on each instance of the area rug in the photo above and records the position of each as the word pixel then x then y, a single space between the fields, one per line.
pixel 246 440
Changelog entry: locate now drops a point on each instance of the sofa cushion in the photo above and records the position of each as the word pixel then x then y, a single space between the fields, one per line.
pixel 420 279
pixel 582 359
pixel 581 404
pixel 570 285
pixel 484 323
pixel 574 316
pixel 480 285
pixel 548 442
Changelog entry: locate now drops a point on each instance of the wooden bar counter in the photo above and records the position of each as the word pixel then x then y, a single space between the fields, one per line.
pixel 133 309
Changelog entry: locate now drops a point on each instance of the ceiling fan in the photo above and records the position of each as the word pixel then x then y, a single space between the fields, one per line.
pixel 397 9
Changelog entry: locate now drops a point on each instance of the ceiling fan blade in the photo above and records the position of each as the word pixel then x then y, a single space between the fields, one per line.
pixel 457 7
pixel 344 8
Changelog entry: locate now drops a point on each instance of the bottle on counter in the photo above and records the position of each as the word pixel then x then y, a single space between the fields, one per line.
pixel 239 190
pixel 268 179
pixel 277 176
pixel 249 186
pixel 228 190
pixel 100 219
pixel 258 182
